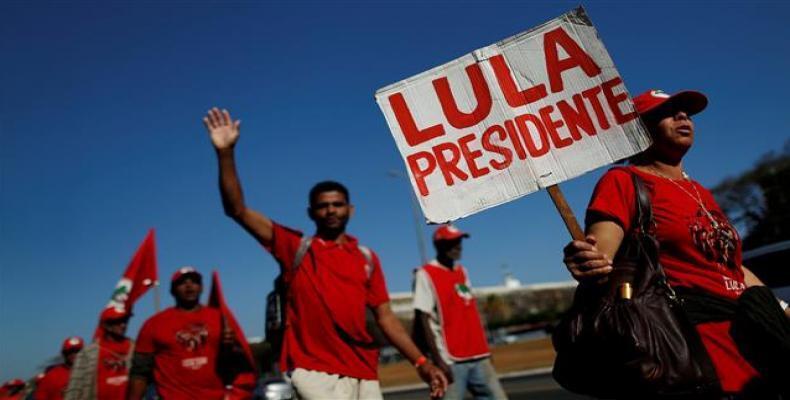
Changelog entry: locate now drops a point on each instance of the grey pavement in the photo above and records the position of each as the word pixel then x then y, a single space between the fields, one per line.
pixel 534 385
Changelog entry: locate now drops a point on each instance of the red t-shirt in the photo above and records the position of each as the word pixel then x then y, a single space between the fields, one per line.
pixel 185 346
pixel 462 329
pixel 112 373
pixel 331 288
pixel 53 384
pixel 693 253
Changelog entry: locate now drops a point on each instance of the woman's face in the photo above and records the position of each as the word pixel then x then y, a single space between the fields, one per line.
pixel 673 133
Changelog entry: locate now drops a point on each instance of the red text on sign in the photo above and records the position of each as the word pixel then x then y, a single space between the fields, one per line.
pixel 555 66
pixel 527 135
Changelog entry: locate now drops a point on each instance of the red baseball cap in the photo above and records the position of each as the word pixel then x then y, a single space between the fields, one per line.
pixel 14 383
pixel 73 343
pixel 690 101
pixel 183 271
pixel 448 232
pixel 114 313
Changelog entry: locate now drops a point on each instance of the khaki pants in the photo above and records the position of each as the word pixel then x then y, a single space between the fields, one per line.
pixel 315 385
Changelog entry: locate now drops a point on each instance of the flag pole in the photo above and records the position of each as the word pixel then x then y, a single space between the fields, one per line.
pixel 156 296
pixel 565 212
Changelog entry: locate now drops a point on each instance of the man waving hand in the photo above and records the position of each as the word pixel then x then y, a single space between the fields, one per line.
pixel 331 280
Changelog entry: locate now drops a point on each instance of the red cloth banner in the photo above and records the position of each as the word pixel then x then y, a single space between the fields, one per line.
pixel 140 275
pixel 245 381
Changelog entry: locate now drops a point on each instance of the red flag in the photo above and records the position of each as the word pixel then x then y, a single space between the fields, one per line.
pixel 245 381
pixel 140 275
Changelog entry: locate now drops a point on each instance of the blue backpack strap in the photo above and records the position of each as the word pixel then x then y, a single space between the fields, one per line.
pixel 369 258
pixel 304 245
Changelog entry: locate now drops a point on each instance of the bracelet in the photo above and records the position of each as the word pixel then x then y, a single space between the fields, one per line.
pixel 420 362
pixel 783 304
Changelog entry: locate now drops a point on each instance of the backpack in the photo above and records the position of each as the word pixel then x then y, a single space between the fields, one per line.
pixel 275 302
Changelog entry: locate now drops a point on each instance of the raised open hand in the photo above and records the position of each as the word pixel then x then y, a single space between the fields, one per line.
pixel 223 131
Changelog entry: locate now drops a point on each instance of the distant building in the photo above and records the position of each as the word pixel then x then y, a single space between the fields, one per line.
pixel 508 304
pixel 508 310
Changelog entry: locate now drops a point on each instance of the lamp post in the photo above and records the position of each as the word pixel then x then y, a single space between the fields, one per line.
pixel 415 212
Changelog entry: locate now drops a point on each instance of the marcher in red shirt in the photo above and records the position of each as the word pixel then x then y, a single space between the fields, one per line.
pixel 326 346
pixel 447 323
pixel 52 385
pixel 699 247
pixel 177 349
pixel 101 370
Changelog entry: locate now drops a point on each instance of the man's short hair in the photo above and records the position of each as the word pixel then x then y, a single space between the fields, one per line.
pixel 327 186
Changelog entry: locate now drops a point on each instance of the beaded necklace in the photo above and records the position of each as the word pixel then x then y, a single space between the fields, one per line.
pixel 697 198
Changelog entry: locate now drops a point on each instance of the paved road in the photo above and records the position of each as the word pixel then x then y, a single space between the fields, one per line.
pixel 533 387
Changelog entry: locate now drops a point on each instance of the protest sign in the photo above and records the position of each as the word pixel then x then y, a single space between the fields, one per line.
pixel 506 120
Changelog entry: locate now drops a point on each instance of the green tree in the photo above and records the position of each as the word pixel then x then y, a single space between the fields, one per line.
pixel 496 310
pixel 758 200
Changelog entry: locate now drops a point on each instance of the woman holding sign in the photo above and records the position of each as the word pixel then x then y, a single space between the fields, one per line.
pixel 699 249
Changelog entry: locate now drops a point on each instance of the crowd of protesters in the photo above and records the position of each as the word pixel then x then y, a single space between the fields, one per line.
pixel 334 284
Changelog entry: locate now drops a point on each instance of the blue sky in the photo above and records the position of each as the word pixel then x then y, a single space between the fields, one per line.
pixel 101 135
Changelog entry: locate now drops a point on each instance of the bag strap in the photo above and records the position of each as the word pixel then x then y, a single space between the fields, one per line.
pixel 702 307
pixel 368 254
pixel 645 223
pixel 304 246
pixel 643 214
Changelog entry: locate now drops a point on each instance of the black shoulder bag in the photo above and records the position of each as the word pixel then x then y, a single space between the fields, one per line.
pixel 630 338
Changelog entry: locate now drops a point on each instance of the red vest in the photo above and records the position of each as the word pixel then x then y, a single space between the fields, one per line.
pixel 462 330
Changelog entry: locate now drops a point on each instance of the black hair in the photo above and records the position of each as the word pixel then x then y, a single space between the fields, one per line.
pixel 327 186
pixel 195 276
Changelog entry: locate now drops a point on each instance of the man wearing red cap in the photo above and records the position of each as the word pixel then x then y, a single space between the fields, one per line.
pixel 447 322
pixel 101 370
pixel 177 349
pixel 52 385
pixel 13 390
pixel 331 281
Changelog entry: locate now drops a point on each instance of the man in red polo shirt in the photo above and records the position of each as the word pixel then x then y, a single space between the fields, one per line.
pixel 447 323
pixel 177 349
pixel 326 348
pixel 52 385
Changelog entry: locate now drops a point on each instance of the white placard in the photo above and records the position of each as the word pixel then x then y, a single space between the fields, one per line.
pixel 533 110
